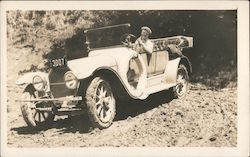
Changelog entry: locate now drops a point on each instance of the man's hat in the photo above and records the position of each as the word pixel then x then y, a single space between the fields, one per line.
pixel 147 29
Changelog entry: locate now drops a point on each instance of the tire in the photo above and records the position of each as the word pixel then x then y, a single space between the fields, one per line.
pixel 182 87
pixel 32 116
pixel 101 104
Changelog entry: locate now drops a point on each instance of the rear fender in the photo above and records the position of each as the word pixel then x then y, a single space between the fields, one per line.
pixel 27 78
pixel 171 71
pixel 185 61
pixel 172 68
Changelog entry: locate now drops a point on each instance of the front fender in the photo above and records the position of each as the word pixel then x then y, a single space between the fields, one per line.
pixel 27 78
pixel 84 67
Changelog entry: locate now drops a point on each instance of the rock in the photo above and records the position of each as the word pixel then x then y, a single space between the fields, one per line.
pixel 179 113
pixel 212 139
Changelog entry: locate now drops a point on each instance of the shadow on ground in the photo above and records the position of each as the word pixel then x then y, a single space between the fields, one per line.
pixel 81 124
pixel 133 107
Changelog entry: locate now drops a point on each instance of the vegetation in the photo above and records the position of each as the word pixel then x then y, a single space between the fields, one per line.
pixel 214 56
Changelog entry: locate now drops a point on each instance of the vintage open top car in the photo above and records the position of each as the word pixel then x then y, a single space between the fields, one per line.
pixel 108 69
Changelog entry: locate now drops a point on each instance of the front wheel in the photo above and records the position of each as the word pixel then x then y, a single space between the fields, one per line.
pixel 181 88
pixel 31 115
pixel 100 103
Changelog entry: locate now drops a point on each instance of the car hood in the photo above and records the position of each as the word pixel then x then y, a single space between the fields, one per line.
pixel 110 51
pixel 108 57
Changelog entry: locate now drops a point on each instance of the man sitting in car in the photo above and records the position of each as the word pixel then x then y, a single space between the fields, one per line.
pixel 143 43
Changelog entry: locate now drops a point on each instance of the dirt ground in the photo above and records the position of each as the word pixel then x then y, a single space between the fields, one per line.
pixel 205 118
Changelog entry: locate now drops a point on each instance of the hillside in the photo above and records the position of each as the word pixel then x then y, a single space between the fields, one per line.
pixel 50 33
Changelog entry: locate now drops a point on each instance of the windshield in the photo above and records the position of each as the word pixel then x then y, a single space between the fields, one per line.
pixel 106 36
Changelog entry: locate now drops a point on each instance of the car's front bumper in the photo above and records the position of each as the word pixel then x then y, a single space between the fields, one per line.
pixel 63 105
pixel 57 100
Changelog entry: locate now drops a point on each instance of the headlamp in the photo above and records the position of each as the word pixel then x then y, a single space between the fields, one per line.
pixel 70 79
pixel 38 83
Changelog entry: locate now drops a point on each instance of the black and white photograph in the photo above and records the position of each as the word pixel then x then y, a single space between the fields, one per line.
pixel 125 77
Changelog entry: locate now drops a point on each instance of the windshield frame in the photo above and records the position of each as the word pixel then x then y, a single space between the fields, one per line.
pixel 88 31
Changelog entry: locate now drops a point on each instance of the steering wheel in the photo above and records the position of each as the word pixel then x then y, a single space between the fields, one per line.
pixel 128 39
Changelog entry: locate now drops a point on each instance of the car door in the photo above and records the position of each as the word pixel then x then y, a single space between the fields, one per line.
pixel 149 60
pixel 155 62
pixel 161 56
pixel 161 59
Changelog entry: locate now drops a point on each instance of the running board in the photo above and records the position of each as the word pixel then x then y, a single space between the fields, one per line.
pixel 155 80
pixel 155 89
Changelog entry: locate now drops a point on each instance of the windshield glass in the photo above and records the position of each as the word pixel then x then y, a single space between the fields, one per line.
pixel 106 36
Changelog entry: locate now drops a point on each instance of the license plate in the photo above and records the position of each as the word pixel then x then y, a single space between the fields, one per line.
pixel 58 62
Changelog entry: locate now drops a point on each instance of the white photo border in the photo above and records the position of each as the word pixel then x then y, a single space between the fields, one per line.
pixel 242 8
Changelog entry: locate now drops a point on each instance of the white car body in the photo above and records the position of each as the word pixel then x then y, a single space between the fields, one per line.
pixel 111 59
pixel 103 75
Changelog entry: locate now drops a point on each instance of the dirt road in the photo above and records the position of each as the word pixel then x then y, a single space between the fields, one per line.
pixel 203 118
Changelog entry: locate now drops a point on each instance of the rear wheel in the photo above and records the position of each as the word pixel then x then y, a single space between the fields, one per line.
pixel 100 103
pixel 32 116
pixel 181 89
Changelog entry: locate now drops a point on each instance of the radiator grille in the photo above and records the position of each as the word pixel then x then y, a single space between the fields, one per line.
pixel 57 85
